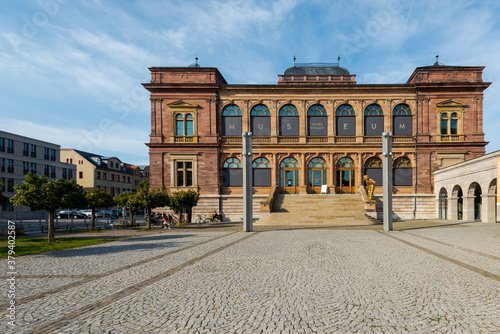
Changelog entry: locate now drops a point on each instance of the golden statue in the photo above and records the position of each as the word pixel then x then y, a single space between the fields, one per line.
pixel 370 186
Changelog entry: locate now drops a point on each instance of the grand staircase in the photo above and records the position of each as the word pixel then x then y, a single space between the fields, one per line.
pixel 315 209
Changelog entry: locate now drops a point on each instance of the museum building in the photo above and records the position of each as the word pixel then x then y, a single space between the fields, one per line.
pixel 316 127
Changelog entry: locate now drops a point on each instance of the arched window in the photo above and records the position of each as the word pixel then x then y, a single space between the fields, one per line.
pixel 231 121
pixel 261 169
pixel 317 121
pixel 289 121
pixel 401 120
pixel 346 121
pixel 373 168
pixel 260 120
pixel 374 120
pixel 232 173
pixel 317 173
pixel 402 172
pixel 184 125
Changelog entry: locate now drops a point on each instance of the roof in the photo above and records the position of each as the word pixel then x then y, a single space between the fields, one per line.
pixel 317 69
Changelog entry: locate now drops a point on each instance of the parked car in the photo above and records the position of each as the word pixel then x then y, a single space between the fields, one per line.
pixel 88 213
pixel 118 212
pixel 71 214
pixel 108 213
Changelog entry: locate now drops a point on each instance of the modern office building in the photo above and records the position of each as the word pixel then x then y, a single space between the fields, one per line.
pixel 21 155
pixel 110 173
pixel 316 127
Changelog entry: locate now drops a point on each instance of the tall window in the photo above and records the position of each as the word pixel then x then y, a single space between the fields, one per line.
pixel 261 169
pixel 184 173
pixel 33 151
pixel 232 173
pixel 2 144
pixel 346 121
pixel 401 120
pixel 374 120
pixel 231 121
pixel 46 170
pixel 10 146
pixel 70 174
pixel 25 149
pixel 26 167
pixel 260 120
pixel 53 172
pixel 373 168
pixel 317 121
pixel 10 185
pixel 289 121
pixel 10 166
pixel 33 168
pixel 65 173
pixel 184 125
pixel 3 165
pixel 449 123
pixel 52 155
pixel 46 153
pixel 402 172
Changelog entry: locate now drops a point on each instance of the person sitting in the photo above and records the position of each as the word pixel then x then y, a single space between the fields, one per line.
pixel 214 215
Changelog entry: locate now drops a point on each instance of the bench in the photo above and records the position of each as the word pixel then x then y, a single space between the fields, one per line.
pixel 126 223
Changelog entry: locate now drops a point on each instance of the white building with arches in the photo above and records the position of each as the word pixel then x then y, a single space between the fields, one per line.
pixel 468 190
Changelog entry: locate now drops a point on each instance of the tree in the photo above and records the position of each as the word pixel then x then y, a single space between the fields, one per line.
pixel 38 193
pixel 98 198
pixel 184 199
pixel 126 200
pixel 151 198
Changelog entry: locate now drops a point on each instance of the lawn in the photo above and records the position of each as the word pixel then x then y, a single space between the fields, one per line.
pixel 34 245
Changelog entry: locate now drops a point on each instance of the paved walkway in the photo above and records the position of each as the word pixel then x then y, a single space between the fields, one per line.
pixel 426 280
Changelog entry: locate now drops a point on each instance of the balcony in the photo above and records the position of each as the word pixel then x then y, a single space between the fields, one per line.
pixel 185 139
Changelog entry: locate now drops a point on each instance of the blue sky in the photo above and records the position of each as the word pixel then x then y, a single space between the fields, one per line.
pixel 71 70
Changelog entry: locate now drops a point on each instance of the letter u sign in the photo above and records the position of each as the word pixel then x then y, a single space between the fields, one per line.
pixel 374 126
pixel 260 126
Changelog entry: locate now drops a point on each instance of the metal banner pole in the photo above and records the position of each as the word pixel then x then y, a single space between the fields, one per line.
pixel 387 179
pixel 247 182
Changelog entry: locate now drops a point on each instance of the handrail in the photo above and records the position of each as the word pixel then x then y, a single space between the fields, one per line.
pixel 267 204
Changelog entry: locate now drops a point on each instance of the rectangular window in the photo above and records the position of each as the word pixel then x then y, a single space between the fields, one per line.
pixel 98 175
pixel 26 167
pixel 128 179
pixel 232 177
pixel 10 185
pixel 80 175
pixel 10 146
pixel 70 174
pixel 33 168
pixel 124 178
pixel 10 166
pixel 33 151
pixel 289 126
pixel 3 183
pixel 8 206
pixel 3 165
pixel 112 177
pixel 261 177
pixel 25 149
pixel 453 126
pixel 2 144
pixel 346 125
pixel 52 171
pixel 52 155
pixel 184 173
pixel 46 170
pixel 444 127
pixel 65 173
pixel 104 176
pixel 46 153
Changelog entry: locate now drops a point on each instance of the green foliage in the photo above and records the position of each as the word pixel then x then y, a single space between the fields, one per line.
pixel 98 198
pixel 184 198
pixel 147 198
pixel 38 193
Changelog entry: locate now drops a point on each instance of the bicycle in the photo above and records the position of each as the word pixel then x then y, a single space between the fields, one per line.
pixel 203 219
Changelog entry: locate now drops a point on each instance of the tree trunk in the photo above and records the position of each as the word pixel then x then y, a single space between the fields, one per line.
pixel 51 237
pixel 93 218
pixel 148 218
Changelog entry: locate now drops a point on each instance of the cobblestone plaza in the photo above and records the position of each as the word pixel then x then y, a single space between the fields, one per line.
pixel 428 280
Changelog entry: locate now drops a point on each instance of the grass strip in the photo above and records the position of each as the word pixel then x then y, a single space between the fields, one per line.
pixel 26 245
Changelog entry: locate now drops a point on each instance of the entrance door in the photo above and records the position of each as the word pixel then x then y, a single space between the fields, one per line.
pixel 290 176
pixel 345 176
pixel 317 174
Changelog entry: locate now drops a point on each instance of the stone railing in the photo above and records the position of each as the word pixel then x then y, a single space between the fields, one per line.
pixel 267 205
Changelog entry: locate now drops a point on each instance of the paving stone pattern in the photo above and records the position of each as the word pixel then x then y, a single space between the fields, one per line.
pixel 286 281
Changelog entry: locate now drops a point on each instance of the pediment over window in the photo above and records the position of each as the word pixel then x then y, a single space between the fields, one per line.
pixel 183 104
pixel 451 103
